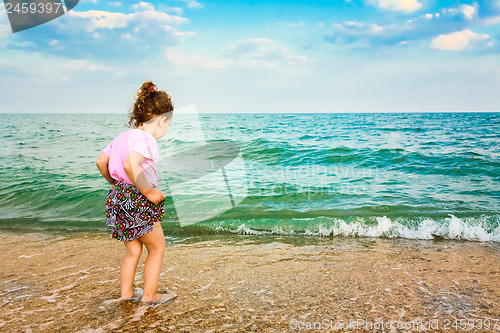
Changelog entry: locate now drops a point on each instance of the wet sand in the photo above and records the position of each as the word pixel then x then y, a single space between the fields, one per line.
pixel 69 283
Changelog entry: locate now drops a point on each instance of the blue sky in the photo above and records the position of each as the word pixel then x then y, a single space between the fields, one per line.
pixel 258 56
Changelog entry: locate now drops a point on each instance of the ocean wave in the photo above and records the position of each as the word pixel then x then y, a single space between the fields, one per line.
pixel 451 227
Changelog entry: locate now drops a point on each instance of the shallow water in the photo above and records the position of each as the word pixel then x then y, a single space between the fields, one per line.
pixel 55 282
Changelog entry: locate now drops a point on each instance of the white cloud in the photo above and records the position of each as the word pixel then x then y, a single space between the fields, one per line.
pixel 44 69
pixel 421 27
pixel 106 35
pixel 86 65
pixel 177 10
pixel 468 12
pixel 143 6
pixel 96 19
pixel 249 46
pixel 174 32
pixel 457 41
pixel 399 5
pixel 262 52
pixel 252 54
pixel 359 29
pixel 490 21
pixel 196 61
pixel 193 4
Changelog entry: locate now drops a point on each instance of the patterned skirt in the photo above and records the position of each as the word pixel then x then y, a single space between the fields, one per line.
pixel 130 213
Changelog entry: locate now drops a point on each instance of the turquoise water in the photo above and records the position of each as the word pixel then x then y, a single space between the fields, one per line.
pixel 411 175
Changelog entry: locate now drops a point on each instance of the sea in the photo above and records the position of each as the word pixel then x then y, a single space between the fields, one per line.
pixel 389 175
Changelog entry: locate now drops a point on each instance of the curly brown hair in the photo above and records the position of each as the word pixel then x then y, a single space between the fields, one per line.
pixel 149 102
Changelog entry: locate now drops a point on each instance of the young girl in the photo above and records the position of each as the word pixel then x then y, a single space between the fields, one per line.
pixel 134 204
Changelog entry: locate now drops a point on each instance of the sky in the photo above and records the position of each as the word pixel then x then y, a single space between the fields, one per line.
pixel 258 56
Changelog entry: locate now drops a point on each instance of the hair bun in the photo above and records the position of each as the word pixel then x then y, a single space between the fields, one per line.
pixel 147 104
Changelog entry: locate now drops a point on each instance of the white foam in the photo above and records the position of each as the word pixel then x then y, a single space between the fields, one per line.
pixel 11 290
pixel 58 269
pixel 26 256
pixel 450 227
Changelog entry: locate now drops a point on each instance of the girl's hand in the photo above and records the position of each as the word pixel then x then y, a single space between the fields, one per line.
pixel 155 196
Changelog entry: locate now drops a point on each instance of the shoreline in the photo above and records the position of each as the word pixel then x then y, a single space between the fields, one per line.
pixel 232 283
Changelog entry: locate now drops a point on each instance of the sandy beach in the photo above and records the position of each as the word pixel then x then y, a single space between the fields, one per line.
pixel 55 282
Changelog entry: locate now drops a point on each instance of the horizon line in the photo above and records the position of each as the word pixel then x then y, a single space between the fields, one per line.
pixel 354 112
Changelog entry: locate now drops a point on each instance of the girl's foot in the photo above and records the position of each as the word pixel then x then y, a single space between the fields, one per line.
pixel 137 296
pixel 160 298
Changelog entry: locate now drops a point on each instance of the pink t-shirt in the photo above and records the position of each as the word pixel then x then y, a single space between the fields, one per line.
pixel 138 140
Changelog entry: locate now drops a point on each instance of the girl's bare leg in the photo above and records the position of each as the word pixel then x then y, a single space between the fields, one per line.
pixel 128 266
pixel 155 244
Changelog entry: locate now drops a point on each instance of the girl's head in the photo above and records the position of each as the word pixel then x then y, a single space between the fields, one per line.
pixel 150 102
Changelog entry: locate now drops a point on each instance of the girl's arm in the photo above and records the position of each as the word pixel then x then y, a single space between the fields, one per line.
pixel 102 165
pixel 133 169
